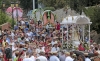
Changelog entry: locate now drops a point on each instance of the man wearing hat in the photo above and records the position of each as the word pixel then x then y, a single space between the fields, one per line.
pixel 27 58
pixel 42 57
pixel 55 48
pixel 62 56
pixel 87 57
pixel 54 56
pixel 40 49
pixel 68 57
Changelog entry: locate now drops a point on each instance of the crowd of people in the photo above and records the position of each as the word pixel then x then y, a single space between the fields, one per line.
pixel 31 41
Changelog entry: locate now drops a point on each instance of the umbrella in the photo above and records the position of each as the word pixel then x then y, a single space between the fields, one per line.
pixel 78 53
pixel 91 54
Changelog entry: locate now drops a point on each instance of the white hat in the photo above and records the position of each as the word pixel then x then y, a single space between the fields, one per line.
pixel 10 44
pixel 55 42
pixel 67 53
pixel 53 52
pixel 92 46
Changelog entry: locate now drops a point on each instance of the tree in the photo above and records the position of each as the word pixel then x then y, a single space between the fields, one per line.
pixel 53 3
pixel 26 4
pixel 78 5
pixel 94 14
pixel 5 18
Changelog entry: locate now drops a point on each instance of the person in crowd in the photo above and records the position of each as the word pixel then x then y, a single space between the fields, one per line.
pixel 55 47
pixel 54 57
pixel 20 56
pixel 16 54
pixel 58 26
pixel 80 58
pixel 68 57
pixel 42 56
pixel 8 52
pixel 74 57
pixel 62 56
pixel 81 47
pixel 87 57
pixel 27 58
pixel 33 56
pixel 1 53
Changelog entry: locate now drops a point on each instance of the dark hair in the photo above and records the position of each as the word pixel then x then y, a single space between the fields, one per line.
pixel 96 48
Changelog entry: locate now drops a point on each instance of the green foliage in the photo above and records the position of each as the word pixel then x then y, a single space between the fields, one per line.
pixel 53 3
pixel 26 4
pixel 4 18
pixel 94 14
pixel 78 5
pixel 49 8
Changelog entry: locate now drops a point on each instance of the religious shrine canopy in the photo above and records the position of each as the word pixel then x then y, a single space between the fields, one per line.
pixel 82 19
pixel 48 17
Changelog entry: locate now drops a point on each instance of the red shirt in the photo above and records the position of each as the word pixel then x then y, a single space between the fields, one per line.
pixel 58 27
pixel 81 48
pixel 19 59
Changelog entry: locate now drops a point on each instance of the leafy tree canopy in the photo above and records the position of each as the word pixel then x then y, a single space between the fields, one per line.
pixel 53 3
pixel 94 14
pixel 26 4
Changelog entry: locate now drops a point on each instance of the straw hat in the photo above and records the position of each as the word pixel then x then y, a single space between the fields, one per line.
pixel 67 53
pixel 49 44
pixel 53 52
pixel 34 46
pixel 94 43
pixel 74 55
pixel 92 46
pixel 55 42
pixel 16 52
pixel 55 37
pixel 86 54
pixel 10 44
pixel 40 45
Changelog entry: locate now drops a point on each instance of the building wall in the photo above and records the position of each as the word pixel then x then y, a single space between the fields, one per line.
pixel 5 26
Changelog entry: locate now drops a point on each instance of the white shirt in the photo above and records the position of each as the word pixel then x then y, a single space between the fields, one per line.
pixel 87 59
pixel 54 58
pixel 42 58
pixel 53 42
pixel 68 58
pixel 27 59
pixel 55 49
pixel 22 22
pixel 33 58
pixel 39 50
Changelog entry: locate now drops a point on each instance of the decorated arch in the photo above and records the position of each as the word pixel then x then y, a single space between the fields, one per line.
pixel 48 17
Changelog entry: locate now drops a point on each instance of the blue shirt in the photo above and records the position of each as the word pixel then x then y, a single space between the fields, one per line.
pixel 8 40
pixel 54 58
pixel 26 30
